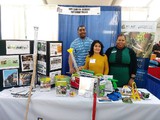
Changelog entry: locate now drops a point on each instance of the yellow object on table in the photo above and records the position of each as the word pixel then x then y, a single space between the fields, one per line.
pixel 153 56
pixel 135 95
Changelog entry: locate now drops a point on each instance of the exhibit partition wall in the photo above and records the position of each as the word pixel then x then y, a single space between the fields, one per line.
pixel 102 23
pixel 49 60
pixel 16 63
pixel 140 37
pixel 0 24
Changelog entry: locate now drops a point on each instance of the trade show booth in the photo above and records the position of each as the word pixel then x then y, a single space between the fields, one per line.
pixel 54 95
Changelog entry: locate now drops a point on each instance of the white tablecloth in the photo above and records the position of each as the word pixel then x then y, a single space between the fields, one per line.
pixel 49 107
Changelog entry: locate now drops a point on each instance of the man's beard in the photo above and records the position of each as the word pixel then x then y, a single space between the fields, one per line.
pixel 82 37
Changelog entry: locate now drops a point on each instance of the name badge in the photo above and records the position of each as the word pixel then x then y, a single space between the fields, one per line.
pixel 114 51
pixel 92 60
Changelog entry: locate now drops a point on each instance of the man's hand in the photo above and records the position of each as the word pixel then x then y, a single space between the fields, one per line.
pixel 72 70
pixel 81 67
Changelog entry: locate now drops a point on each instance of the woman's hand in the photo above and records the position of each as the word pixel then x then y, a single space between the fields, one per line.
pixel 81 67
pixel 130 82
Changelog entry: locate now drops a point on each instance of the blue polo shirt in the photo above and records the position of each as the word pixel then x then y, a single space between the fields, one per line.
pixel 81 49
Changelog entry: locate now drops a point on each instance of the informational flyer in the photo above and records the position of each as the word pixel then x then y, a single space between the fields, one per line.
pixel 41 67
pixel 41 57
pixel 25 78
pixel 41 45
pixel 27 62
pixel 55 63
pixel 55 49
pixel 17 47
pixel 7 62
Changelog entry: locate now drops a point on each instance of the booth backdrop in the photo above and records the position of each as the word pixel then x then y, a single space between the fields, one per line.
pixel 103 27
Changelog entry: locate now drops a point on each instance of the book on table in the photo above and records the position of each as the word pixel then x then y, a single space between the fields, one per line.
pixel 61 88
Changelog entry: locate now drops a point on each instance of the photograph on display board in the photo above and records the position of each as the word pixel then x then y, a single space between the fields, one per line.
pixel 25 78
pixel 10 77
pixel 7 62
pixel 55 63
pixel 41 67
pixel 53 74
pixel 55 49
pixel 141 43
pixel 27 62
pixel 41 45
pixel 140 36
pixel 17 47
pixel 41 57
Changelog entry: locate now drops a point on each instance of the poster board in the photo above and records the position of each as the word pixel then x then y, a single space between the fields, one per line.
pixel 140 36
pixel 49 61
pixel 16 62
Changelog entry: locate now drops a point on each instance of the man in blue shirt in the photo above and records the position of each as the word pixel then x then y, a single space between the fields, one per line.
pixel 81 47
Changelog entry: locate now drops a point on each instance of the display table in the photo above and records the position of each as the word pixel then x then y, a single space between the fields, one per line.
pixel 153 85
pixel 154 71
pixel 49 107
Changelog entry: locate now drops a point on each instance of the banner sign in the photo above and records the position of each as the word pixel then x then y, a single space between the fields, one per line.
pixel 79 10
pixel 144 26
pixel 140 36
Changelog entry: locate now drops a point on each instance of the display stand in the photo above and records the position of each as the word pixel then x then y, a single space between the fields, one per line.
pixel 49 59
pixel 16 62
pixel 142 66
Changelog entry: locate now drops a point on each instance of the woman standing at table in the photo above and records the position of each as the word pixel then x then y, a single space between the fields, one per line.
pixel 122 62
pixel 96 60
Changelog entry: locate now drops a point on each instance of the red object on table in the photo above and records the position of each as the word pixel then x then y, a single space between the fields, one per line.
pixel 75 83
pixel 154 71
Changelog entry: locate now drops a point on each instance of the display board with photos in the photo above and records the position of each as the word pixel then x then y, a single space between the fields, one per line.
pixel 49 59
pixel 16 62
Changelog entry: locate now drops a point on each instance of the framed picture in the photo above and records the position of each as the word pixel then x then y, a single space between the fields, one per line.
pixel 10 78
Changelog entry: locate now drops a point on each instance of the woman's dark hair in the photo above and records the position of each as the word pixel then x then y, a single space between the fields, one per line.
pixel 91 52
